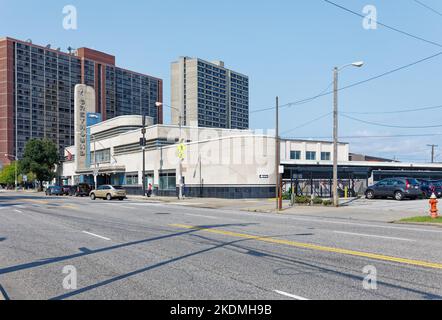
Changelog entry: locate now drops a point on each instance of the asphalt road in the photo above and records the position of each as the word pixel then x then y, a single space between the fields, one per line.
pixel 136 250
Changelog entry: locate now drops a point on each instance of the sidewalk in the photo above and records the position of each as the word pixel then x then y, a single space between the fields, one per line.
pixel 351 209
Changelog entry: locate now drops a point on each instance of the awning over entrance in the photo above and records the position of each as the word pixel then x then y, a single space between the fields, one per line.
pixel 102 170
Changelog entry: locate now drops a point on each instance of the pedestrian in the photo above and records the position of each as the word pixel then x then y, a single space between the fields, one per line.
pixel 149 190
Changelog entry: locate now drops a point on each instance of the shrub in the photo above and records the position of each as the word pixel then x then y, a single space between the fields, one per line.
pixel 327 203
pixel 318 200
pixel 302 200
pixel 286 196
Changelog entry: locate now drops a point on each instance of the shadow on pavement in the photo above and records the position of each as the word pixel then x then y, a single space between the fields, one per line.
pixel 257 253
pixel 312 268
pixel 86 252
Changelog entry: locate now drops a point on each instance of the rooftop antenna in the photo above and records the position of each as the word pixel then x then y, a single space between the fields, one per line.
pixel 71 50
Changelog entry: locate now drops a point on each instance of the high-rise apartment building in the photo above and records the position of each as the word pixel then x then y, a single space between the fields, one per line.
pixel 37 92
pixel 209 95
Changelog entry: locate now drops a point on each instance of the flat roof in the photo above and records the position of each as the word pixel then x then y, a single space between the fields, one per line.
pixel 404 165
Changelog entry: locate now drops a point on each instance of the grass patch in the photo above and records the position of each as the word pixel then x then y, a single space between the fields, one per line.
pixel 423 220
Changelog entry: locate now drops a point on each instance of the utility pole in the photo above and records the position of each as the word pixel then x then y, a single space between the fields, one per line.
pixel 335 138
pixel 95 164
pixel 277 160
pixel 180 186
pixel 433 147
pixel 143 146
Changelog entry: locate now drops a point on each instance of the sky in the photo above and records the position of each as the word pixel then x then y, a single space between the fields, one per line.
pixel 288 48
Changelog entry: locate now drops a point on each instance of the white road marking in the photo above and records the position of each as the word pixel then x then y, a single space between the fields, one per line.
pixel 96 235
pixel 373 236
pixel 185 203
pixel 199 215
pixel 19 211
pixel 290 295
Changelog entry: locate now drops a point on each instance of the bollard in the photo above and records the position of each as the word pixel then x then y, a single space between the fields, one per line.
pixel 433 206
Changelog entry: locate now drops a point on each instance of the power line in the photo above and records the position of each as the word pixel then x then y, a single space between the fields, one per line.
pixel 384 25
pixel 371 136
pixel 390 126
pixel 299 102
pixel 307 123
pixel 394 112
pixel 326 93
pixel 428 7
pixel 391 71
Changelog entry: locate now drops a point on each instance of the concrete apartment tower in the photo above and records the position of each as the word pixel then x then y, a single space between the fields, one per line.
pixel 208 95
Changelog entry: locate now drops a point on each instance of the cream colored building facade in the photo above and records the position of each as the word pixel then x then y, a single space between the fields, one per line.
pixel 221 163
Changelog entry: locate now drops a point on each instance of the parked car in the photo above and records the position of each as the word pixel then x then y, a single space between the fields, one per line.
pixel 397 188
pixel 66 190
pixel 108 192
pixel 80 190
pixel 54 191
pixel 428 187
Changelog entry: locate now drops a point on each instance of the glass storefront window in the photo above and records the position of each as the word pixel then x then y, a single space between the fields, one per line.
pixel 167 181
pixel 132 179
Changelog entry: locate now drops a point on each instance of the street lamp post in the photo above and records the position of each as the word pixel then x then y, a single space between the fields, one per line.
pixel 181 124
pixel 143 146
pixel 16 173
pixel 95 164
pixel 335 128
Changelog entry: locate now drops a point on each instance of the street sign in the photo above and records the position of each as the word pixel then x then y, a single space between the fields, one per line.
pixel 181 151
pixel 281 169
pixel 263 176
pixel 95 172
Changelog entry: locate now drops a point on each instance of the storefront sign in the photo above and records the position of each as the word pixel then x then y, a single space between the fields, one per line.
pixel 84 103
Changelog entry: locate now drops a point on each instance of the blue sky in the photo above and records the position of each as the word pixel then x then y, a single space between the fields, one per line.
pixel 287 48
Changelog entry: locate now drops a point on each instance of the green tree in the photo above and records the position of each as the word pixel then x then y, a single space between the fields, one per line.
pixel 7 175
pixel 40 157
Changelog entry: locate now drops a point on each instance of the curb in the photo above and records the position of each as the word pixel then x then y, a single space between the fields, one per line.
pixel 438 225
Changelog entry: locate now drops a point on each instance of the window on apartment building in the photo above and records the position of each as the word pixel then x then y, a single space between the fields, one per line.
pixel 310 155
pixel 325 156
pixel 295 155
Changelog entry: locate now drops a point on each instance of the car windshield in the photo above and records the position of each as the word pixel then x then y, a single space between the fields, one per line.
pixel 413 182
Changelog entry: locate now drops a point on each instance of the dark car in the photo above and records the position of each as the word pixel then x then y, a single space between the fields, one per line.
pixel 397 188
pixel 54 191
pixel 80 190
pixel 428 187
pixel 66 190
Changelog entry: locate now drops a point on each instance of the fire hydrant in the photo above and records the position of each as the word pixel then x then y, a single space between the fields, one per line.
pixel 433 205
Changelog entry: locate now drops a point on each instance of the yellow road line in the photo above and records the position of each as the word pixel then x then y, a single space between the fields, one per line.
pixel 375 256
pixel 68 206
pixel 37 201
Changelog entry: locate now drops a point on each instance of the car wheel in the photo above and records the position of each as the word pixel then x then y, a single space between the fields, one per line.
pixel 399 196
pixel 121 199
pixel 93 196
pixel 108 197
pixel 370 195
